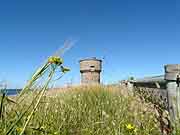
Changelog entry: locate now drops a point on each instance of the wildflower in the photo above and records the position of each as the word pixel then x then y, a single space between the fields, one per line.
pixel 129 127
pixel 18 129
pixel 55 60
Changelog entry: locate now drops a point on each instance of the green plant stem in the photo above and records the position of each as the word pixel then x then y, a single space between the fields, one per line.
pixel 36 105
pixel 35 76
pixel 30 83
pixel 1 107
pixel 13 125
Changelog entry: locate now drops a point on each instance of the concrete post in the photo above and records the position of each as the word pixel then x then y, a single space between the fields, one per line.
pixel 130 86
pixel 171 74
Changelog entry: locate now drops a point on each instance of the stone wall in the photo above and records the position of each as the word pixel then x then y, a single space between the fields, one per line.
pixel 90 70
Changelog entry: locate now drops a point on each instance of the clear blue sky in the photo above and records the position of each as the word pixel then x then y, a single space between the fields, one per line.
pixel 136 37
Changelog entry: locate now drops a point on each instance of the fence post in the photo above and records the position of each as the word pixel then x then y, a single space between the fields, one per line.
pixel 171 73
pixel 130 86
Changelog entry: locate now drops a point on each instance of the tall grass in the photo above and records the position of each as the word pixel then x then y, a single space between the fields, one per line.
pixel 47 71
pixel 93 110
pixel 87 110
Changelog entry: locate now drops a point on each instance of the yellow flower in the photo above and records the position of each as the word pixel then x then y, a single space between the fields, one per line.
pixel 129 127
pixel 19 129
pixel 55 60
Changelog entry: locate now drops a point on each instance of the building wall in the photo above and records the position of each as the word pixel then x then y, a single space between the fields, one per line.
pixel 90 78
pixel 90 71
pixel 90 65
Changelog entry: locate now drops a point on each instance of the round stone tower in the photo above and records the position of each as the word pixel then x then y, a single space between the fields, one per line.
pixel 90 70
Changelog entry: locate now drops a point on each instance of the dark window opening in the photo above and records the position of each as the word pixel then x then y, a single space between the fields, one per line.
pixel 92 66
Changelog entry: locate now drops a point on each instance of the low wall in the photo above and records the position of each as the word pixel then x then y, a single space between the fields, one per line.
pixel 159 85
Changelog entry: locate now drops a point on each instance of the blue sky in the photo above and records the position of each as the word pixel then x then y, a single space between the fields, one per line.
pixel 136 37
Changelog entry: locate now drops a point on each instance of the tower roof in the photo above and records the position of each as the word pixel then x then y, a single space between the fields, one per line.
pixel 89 59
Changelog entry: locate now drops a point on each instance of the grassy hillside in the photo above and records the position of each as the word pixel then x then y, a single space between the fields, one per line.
pixel 86 110
pixel 92 110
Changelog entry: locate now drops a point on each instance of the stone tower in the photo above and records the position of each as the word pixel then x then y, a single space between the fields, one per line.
pixel 90 70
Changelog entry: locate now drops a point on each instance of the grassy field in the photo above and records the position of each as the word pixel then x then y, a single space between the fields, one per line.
pixel 92 110
pixel 85 110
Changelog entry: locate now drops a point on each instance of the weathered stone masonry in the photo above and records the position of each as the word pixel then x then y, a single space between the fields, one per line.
pixel 90 70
